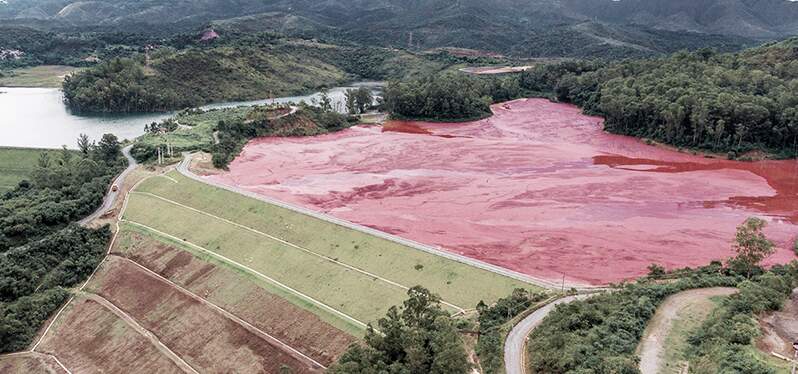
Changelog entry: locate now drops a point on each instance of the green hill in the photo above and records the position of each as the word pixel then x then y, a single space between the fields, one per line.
pixel 243 68
pixel 521 28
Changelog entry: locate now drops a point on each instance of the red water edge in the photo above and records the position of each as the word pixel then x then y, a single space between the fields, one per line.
pixel 538 188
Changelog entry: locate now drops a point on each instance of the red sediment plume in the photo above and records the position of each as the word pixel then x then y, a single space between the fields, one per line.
pixel 408 127
pixel 538 187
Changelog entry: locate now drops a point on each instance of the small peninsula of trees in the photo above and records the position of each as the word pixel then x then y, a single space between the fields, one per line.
pixel 41 251
pixel 358 100
pixel 306 121
pixel 451 96
pixel 119 85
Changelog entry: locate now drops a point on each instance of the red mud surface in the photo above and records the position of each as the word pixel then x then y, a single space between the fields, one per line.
pixel 538 188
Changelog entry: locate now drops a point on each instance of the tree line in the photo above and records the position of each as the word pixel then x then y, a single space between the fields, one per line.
pixel 731 103
pixel 41 250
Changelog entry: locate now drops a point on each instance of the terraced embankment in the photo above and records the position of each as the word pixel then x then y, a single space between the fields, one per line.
pixel 352 275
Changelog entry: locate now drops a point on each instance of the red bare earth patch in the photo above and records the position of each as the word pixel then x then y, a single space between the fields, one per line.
pixel 538 188
pixel 201 336
pixel 88 338
pixel 295 326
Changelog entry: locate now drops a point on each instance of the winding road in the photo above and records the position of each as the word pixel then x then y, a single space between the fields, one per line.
pixel 111 196
pixel 514 346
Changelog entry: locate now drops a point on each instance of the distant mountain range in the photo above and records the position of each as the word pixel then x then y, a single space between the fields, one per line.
pixel 542 28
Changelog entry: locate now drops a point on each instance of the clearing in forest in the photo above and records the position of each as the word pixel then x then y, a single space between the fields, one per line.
pixel 17 164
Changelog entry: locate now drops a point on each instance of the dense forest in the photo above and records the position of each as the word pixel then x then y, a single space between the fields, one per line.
pixel 41 252
pixel 448 96
pixel 419 337
pixel 74 48
pixel 731 103
pixel 241 67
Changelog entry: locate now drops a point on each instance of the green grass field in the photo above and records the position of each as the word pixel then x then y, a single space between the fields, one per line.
pixel 49 76
pixel 125 244
pixel 311 271
pixel 17 164
pixel 201 132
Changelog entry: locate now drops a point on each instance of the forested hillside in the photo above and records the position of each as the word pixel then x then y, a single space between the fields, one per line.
pixel 241 68
pixel 521 28
pixel 41 253
pixel 719 102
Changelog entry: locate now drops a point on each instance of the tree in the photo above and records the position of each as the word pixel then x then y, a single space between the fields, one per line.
pixel 363 98
pixel 66 156
pixel 419 337
pixel 751 245
pixel 44 160
pixel 83 144
pixel 325 102
pixel 351 101
pixel 108 148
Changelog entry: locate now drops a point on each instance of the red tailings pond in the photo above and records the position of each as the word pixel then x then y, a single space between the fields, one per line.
pixel 538 188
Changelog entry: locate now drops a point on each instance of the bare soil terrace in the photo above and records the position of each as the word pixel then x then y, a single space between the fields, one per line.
pixel 90 338
pixel 236 293
pixel 204 338
pixel 30 363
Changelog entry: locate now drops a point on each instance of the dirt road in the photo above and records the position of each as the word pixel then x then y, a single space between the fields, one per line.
pixel 652 345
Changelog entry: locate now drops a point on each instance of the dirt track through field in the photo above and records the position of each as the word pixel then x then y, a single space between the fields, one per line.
pixel 255 272
pixel 652 345
pixel 262 334
pixel 228 288
pixel 292 245
pixel 141 330
pixel 39 362
pixel 204 337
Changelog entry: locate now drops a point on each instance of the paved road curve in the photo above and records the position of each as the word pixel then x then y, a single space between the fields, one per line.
pixel 514 346
pixel 110 198
pixel 183 168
